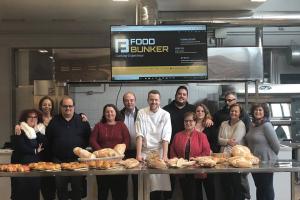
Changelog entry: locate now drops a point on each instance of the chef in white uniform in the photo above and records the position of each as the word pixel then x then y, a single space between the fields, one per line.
pixel 153 132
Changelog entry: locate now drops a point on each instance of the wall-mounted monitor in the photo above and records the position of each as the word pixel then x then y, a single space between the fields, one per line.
pixel 162 52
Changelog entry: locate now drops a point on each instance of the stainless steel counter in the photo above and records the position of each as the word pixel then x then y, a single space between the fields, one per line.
pixel 143 172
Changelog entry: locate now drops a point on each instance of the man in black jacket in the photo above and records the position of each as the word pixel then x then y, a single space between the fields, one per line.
pixel 65 132
pixel 224 115
pixel 129 113
pixel 177 108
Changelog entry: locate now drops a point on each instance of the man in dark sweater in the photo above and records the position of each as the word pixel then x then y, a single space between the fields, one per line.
pixel 177 108
pixel 65 132
pixel 223 114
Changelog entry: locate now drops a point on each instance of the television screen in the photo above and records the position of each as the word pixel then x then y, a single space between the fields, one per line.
pixel 162 52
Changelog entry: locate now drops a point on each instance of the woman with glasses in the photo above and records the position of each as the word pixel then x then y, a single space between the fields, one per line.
pixel 46 107
pixel 186 144
pixel 26 149
pixel 109 132
pixel 263 143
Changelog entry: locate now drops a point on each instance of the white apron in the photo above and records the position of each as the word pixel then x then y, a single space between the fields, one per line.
pixel 154 128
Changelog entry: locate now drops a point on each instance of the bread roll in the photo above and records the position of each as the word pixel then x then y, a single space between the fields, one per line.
pixel 157 164
pixel 240 150
pixel 130 163
pixel 106 152
pixel 120 148
pixel 253 159
pixel 239 162
pixel 82 153
pixel 205 161
pixel 172 162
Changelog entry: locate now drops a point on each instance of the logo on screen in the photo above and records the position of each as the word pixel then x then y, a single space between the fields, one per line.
pixel 122 46
pixel 139 45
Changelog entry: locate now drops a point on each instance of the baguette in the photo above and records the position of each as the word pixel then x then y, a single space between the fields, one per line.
pixel 82 153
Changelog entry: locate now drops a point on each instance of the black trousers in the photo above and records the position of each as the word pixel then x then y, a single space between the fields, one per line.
pixel 117 184
pixel 208 185
pixel 62 187
pixel 233 186
pixel 264 186
pixel 48 188
pixel 25 188
pixel 191 187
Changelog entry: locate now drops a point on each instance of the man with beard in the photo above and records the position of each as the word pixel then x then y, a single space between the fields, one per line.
pixel 177 108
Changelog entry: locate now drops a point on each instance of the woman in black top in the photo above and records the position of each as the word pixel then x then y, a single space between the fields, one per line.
pixel 27 147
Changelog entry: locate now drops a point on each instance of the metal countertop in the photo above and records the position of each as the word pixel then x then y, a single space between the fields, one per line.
pixel 280 166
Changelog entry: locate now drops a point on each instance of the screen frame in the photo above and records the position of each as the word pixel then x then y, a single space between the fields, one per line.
pixel 180 27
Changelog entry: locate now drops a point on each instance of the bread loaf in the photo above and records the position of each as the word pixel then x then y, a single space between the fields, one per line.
pixel 239 162
pixel 106 152
pixel 253 159
pixel 240 150
pixel 205 161
pixel 130 163
pixel 157 164
pixel 120 148
pixel 82 153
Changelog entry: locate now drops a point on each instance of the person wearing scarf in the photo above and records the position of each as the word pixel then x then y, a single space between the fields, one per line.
pixel 263 143
pixel 27 147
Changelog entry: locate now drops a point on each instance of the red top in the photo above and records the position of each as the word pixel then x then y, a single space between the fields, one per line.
pixel 199 145
pixel 107 136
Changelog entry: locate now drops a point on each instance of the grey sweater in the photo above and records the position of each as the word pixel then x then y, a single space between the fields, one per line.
pixel 263 142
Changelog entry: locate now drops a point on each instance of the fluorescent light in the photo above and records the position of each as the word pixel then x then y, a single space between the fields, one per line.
pixel 258 0
pixel 43 51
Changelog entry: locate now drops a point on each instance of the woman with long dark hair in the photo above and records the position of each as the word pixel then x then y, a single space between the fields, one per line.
pixel 109 132
pixel 263 143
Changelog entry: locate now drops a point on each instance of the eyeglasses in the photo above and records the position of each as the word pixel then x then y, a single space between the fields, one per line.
pixel 32 117
pixel 229 100
pixel 67 106
pixel 188 121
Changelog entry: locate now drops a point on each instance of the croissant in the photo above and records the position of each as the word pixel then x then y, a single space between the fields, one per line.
pixel 82 153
